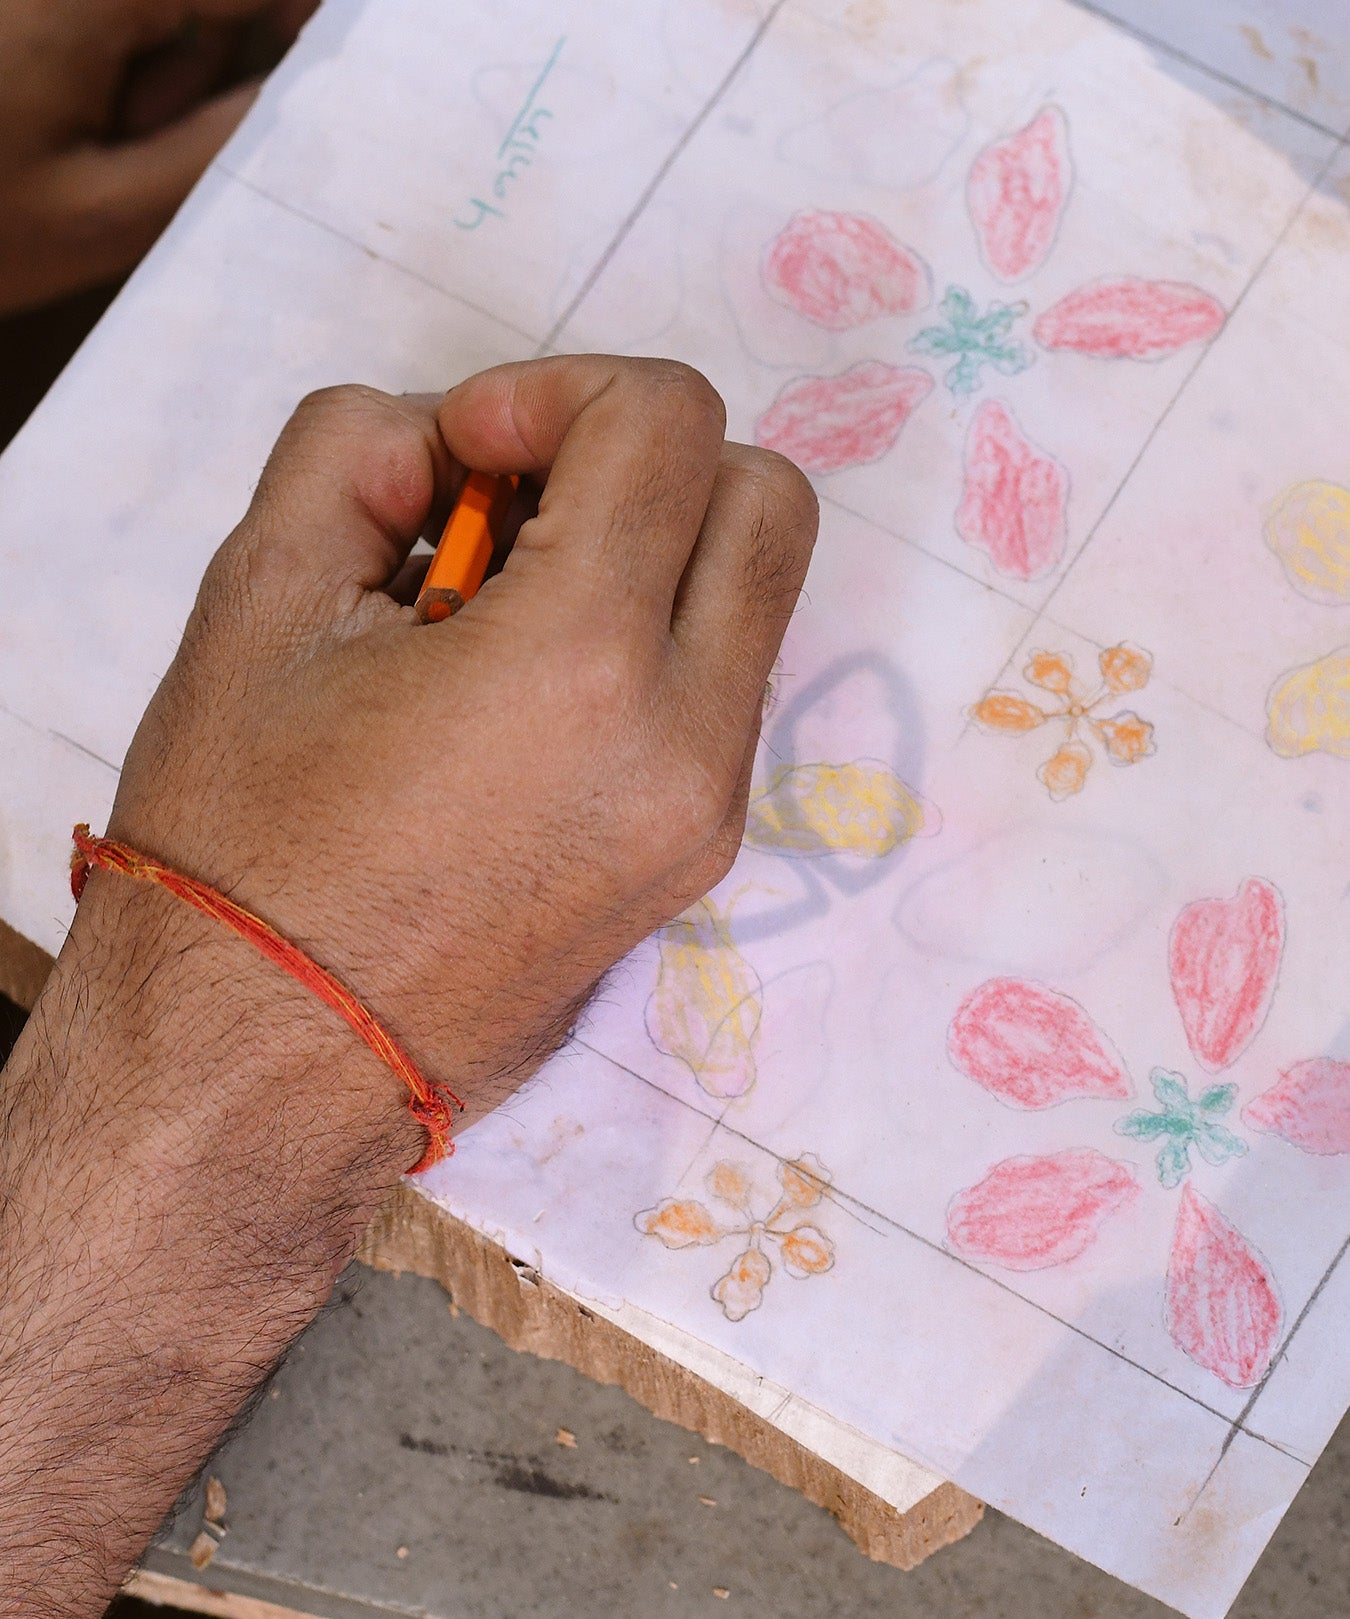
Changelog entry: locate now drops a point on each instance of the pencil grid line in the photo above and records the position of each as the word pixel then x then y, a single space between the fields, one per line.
pixel 654 184
pixel 58 736
pixel 955 564
pixel 364 248
pixel 900 1228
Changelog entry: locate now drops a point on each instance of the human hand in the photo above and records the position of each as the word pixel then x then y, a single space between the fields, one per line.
pixel 467 822
pixel 470 822
pixel 111 111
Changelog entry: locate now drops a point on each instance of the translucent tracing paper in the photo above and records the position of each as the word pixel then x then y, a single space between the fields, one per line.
pixel 992 1120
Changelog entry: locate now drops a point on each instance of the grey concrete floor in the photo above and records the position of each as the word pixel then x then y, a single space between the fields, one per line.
pixel 395 1424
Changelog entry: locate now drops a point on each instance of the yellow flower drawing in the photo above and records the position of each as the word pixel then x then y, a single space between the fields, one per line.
pixel 1309 708
pixel 859 808
pixel 1309 530
pixel 707 1004
pixel 801 1248
pixel 1123 737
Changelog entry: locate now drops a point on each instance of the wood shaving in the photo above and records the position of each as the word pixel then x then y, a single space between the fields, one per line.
pixel 566 1437
pixel 203 1549
pixel 707 1501
pixel 721 1591
pixel 215 1501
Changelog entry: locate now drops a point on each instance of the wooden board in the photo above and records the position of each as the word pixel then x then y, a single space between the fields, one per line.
pixel 164 1590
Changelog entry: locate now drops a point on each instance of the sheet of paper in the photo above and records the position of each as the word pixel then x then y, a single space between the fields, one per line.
pixel 996 1110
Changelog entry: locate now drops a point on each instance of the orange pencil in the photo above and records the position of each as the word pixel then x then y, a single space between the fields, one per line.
pixel 465 547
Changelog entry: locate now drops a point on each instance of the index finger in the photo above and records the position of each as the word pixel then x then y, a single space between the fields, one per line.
pixel 629 449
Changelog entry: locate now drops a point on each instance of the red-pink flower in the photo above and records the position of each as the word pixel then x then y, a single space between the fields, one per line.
pixel 843 270
pixel 1034 1047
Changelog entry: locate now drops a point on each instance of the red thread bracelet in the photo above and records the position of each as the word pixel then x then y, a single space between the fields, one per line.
pixel 431 1105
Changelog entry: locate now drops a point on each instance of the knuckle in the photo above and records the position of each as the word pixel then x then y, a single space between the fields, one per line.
pixel 775 546
pixel 323 404
pixel 721 850
pixel 783 489
pixel 336 414
pixel 680 389
pixel 696 808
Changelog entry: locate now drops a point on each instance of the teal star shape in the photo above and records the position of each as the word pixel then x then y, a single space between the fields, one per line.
pixel 1184 1123
pixel 975 339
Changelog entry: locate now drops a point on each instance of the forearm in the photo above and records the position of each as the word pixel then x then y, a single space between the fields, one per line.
pixel 189 1146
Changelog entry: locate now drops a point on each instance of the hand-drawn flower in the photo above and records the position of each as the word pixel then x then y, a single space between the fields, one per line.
pixel 1308 709
pixel 1309 530
pixel 860 808
pixel 708 1001
pixel 1034 1047
pixel 840 270
pixel 803 1248
pixel 1123 737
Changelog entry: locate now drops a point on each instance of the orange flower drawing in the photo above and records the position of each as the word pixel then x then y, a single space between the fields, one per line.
pixel 1123 737
pixel 802 1249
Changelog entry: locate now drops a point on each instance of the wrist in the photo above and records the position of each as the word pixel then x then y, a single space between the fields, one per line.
pixel 191 1145
pixel 189 1048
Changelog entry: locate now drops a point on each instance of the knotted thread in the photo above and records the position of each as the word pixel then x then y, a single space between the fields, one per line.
pixel 431 1105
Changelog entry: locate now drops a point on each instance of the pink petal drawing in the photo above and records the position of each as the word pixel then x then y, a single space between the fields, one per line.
pixel 1032 1047
pixel 1014 496
pixel 1224 956
pixel 1129 318
pixel 1221 1308
pixel 1030 1213
pixel 825 423
pixel 1309 1106
pixel 841 270
pixel 1016 192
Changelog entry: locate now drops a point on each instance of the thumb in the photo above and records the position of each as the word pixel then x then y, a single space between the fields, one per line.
pixel 90 214
pixel 344 496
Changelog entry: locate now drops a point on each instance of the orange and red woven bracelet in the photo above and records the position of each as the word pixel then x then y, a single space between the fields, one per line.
pixel 432 1105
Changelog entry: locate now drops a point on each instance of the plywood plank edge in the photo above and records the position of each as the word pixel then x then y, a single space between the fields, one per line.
pixel 529 1313
pixel 167 1591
